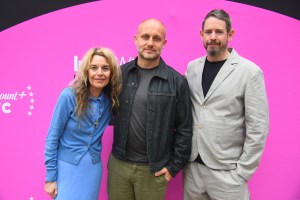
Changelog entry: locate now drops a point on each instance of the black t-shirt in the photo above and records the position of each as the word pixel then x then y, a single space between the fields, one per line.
pixel 210 71
pixel 136 147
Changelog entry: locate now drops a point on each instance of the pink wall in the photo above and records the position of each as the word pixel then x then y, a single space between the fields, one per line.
pixel 37 59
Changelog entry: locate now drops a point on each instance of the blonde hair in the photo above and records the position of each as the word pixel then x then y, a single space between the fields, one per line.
pixel 82 84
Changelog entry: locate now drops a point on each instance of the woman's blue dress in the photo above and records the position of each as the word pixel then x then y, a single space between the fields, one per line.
pixel 79 182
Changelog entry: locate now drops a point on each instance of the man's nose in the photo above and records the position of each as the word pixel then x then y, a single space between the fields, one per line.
pixel 150 42
pixel 213 35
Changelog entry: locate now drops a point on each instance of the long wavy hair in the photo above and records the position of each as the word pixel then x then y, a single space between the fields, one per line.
pixel 82 84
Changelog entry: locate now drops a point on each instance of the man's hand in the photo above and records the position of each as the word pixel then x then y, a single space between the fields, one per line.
pixel 51 189
pixel 164 170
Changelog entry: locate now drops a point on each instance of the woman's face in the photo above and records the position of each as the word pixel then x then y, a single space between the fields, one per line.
pixel 98 75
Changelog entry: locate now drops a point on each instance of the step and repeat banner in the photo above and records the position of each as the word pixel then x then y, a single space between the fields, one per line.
pixel 39 57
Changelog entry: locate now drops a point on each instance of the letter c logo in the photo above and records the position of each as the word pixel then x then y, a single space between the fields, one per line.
pixel 5 109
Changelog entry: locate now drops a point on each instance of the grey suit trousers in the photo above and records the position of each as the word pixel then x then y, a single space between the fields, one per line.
pixel 203 183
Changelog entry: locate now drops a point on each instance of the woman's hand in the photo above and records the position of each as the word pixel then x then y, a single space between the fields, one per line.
pixel 51 189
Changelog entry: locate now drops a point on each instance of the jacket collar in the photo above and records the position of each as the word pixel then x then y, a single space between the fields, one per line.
pixel 161 71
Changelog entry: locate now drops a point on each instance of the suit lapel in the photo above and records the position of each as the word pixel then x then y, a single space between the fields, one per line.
pixel 199 79
pixel 224 72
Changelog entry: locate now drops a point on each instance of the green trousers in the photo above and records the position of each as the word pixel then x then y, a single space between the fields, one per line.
pixel 127 181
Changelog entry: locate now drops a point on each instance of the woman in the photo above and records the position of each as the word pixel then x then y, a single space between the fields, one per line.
pixel 82 112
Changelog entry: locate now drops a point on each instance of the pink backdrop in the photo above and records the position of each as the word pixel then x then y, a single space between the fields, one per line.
pixel 38 58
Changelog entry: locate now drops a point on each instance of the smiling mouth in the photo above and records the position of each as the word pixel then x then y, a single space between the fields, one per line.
pixel 149 50
pixel 214 44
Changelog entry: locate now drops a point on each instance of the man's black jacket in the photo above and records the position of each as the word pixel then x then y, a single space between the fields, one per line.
pixel 169 117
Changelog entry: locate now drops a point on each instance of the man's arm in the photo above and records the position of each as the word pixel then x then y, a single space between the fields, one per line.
pixel 183 130
pixel 257 126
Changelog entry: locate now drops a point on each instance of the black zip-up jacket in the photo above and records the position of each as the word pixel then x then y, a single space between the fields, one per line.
pixel 169 117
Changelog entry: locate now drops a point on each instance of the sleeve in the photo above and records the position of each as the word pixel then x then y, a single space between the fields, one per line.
pixel 63 109
pixel 183 130
pixel 257 126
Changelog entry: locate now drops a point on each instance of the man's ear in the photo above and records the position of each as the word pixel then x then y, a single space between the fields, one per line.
pixel 230 35
pixel 135 38
pixel 201 34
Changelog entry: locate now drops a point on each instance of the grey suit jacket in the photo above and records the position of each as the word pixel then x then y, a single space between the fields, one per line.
pixel 231 123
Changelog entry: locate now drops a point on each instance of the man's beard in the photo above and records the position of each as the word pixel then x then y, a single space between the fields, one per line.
pixel 215 51
pixel 148 56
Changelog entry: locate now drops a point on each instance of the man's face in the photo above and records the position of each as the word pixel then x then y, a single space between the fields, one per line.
pixel 215 37
pixel 150 40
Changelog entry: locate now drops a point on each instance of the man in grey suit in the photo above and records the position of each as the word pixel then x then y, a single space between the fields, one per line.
pixel 230 116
